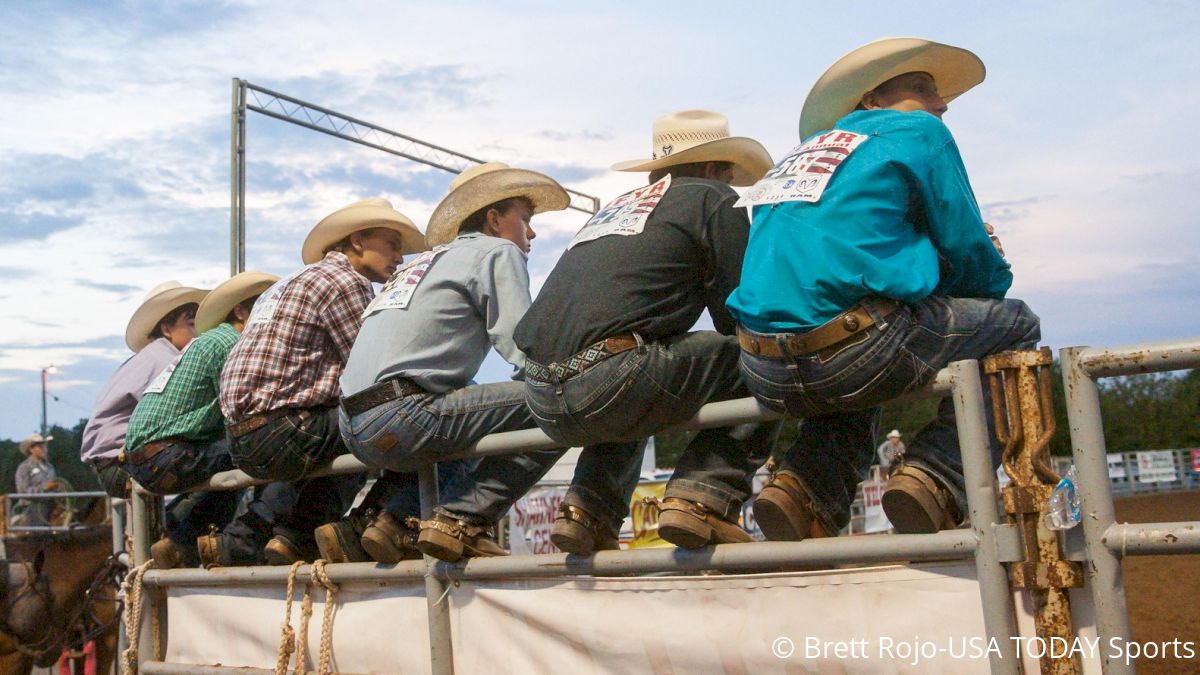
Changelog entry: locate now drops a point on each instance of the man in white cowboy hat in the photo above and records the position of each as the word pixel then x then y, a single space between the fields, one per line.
pixel 157 331
pixel 869 268
pixel 890 451
pixel 35 474
pixel 408 395
pixel 610 354
pixel 279 387
pixel 176 435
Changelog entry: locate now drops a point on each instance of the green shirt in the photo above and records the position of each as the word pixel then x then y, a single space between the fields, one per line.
pixel 187 407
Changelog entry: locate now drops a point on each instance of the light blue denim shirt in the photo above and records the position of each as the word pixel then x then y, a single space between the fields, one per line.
pixel 898 219
pixel 469 299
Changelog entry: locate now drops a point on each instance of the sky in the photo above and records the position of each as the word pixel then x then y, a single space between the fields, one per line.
pixel 1081 144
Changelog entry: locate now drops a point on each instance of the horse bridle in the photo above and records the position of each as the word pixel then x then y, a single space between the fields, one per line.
pixel 35 582
pixel 110 573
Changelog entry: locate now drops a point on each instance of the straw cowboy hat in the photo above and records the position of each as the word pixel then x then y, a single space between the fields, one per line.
pixel 229 294
pixel 35 439
pixel 839 90
pixel 894 433
pixel 160 301
pixel 701 136
pixel 364 215
pixel 486 184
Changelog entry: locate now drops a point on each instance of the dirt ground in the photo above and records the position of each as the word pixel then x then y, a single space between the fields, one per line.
pixel 1162 593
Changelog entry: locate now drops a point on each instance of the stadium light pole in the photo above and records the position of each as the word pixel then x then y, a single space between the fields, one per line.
pixel 50 369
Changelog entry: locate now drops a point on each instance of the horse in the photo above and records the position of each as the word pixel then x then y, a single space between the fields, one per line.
pixel 60 590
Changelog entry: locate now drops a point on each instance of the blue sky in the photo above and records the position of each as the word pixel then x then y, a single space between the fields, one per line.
pixel 114 151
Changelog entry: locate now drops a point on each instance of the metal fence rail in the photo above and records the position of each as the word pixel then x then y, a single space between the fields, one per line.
pixel 991 542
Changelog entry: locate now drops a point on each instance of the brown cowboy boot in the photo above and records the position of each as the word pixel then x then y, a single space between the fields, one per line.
pixel 341 540
pixel 166 554
pixel 784 510
pixel 579 532
pixel 450 539
pixel 689 524
pixel 388 540
pixel 916 503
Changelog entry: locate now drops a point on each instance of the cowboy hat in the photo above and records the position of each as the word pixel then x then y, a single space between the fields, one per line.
pixel 894 433
pixel 364 215
pixel 222 299
pixel 35 439
pixel 839 90
pixel 701 136
pixel 486 184
pixel 160 301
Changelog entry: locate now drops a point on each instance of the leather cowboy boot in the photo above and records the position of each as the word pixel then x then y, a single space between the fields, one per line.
pixel 450 539
pixel 577 531
pixel 784 510
pixel 689 524
pixel 390 540
pixel 917 503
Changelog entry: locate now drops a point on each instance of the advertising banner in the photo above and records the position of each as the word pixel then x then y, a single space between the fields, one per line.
pixel 876 520
pixel 1116 465
pixel 531 518
pixel 645 516
pixel 1196 460
pixel 1156 466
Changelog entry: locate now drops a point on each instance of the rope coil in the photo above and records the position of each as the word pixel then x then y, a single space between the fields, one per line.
pixel 296 642
pixel 132 587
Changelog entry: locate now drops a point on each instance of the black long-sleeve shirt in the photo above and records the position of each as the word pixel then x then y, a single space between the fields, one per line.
pixel 656 283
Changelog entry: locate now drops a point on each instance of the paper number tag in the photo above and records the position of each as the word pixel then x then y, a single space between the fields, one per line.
pixel 264 307
pixel 159 383
pixel 626 215
pixel 398 291
pixel 803 175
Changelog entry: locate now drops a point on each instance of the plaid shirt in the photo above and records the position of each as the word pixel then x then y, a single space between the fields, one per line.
pixel 187 405
pixel 296 341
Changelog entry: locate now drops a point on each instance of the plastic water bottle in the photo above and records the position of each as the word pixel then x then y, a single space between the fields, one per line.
pixel 1062 510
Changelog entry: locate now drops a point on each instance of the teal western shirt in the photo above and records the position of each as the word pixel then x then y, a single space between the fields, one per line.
pixel 898 219
pixel 187 407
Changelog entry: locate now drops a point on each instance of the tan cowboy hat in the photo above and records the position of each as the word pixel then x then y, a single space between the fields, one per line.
pixel 486 184
pixel 894 433
pixel 364 215
pixel 701 136
pixel 228 295
pixel 160 301
pixel 35 439
pixel 839 90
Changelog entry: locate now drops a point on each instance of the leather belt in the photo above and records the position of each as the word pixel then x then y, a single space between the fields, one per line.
pixel 145 452
pixel 581 360
pixel 380 393
pixel 847 324
pixel 255 422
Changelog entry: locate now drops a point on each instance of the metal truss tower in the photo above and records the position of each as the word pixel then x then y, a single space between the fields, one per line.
pixel 247 96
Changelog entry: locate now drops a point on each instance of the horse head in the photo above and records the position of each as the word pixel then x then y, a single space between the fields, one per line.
pixel 27 611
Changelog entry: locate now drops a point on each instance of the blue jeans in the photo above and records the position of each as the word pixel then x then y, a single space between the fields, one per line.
pixel 421 428
pixel 181 466
pixel 640 392
pixel 287 449
pixel 838 391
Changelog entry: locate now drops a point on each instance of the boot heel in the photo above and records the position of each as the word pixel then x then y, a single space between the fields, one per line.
pixel 440 545
pixel 572 537
pixel 683 531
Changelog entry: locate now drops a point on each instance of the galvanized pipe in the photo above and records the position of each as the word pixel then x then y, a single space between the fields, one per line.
pixel 151 667
pixel 237 179
pixel 1153 539
pixel 762 555
pixel 1103 568
pixel 999 615
pixel 437 590
pixel 1149 357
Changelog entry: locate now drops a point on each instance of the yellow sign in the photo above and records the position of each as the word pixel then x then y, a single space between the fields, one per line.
pixel 645 516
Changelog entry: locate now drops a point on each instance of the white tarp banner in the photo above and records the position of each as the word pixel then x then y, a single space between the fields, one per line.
pixel 530 520
pixel 1156 466
pixel 865 620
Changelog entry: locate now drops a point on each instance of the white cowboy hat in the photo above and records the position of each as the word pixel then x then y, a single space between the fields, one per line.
pixel 35 439
pixel 894 433
pixel 701 136
pixel 363 215
pixel 229 294
pixel 160 301
pixel 486 184
pixel 839 90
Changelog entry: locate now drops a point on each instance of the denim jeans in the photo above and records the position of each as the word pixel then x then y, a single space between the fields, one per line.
pixel 287 449
pixel 421 428
pixel 181 466
pixel 640 392
pixel 838 391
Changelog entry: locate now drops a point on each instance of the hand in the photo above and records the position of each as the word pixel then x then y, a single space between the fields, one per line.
pixel 51 485
pixel 987 227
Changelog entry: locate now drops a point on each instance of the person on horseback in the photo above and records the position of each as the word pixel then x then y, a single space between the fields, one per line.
pixel 36 474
